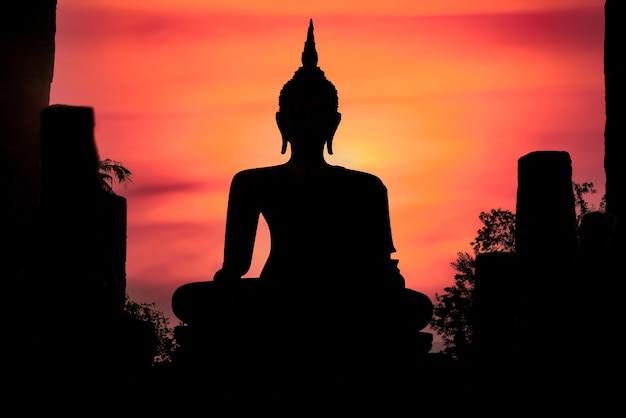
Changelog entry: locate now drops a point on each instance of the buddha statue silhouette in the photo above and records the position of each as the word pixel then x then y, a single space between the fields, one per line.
pixel 329 265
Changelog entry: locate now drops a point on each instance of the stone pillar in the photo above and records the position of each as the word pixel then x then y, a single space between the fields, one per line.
pixel 546 246
pixel 111 231
pixel 82 227
pixel 607 277
pixel 80 279
pixel 615 103
pixel 27 44
pixel 67 208
pixel 495 307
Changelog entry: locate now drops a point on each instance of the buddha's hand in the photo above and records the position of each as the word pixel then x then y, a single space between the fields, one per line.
pixel 393 274
pixel 226 282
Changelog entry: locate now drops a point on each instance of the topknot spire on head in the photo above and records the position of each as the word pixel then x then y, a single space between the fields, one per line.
pixel 309 55
pixel 309 80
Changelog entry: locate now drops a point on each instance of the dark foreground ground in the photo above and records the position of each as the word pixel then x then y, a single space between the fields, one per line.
pixel 413 387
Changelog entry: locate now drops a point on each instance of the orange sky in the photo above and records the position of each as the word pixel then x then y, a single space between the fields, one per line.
pixel 439 99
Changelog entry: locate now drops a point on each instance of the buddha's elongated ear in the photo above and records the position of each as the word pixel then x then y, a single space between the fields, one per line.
pixel 329 146
pixel 329 142
pixel 279 123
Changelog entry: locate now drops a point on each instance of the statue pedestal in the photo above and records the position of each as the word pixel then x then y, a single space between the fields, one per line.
pixel 248 351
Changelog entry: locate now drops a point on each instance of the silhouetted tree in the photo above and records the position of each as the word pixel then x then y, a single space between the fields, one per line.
pixel 452 313
pixel 497 233
pixel 110 171
pixel 582 207
pixel 452 310
pixel 165 335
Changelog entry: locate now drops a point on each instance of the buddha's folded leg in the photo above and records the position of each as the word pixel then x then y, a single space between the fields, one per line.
pixel 212 303
pixel 200 302
pixel 417 308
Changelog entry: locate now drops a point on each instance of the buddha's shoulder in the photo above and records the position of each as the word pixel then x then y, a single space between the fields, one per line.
pixel 279 173
pixel 258 174
pixel 356 176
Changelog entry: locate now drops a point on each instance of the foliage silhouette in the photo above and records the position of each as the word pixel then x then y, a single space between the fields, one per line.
pixel 497 233
pixel 165 335
pixel 452 311
pixel 582 206
pixel 110 171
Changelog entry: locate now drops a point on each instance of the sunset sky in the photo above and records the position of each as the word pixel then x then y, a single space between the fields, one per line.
pixel 438 99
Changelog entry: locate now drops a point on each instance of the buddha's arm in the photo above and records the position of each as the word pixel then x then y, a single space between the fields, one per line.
pixel 381 222
pixel 384 239
pixel 241 224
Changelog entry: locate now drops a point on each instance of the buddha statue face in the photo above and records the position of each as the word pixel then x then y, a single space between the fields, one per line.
pixel 308 123
pixel 307 116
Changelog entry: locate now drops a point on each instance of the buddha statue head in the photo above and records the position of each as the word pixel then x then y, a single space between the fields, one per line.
pixel 307 105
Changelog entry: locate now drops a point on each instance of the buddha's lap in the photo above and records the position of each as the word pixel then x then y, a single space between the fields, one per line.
pixel 253 301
